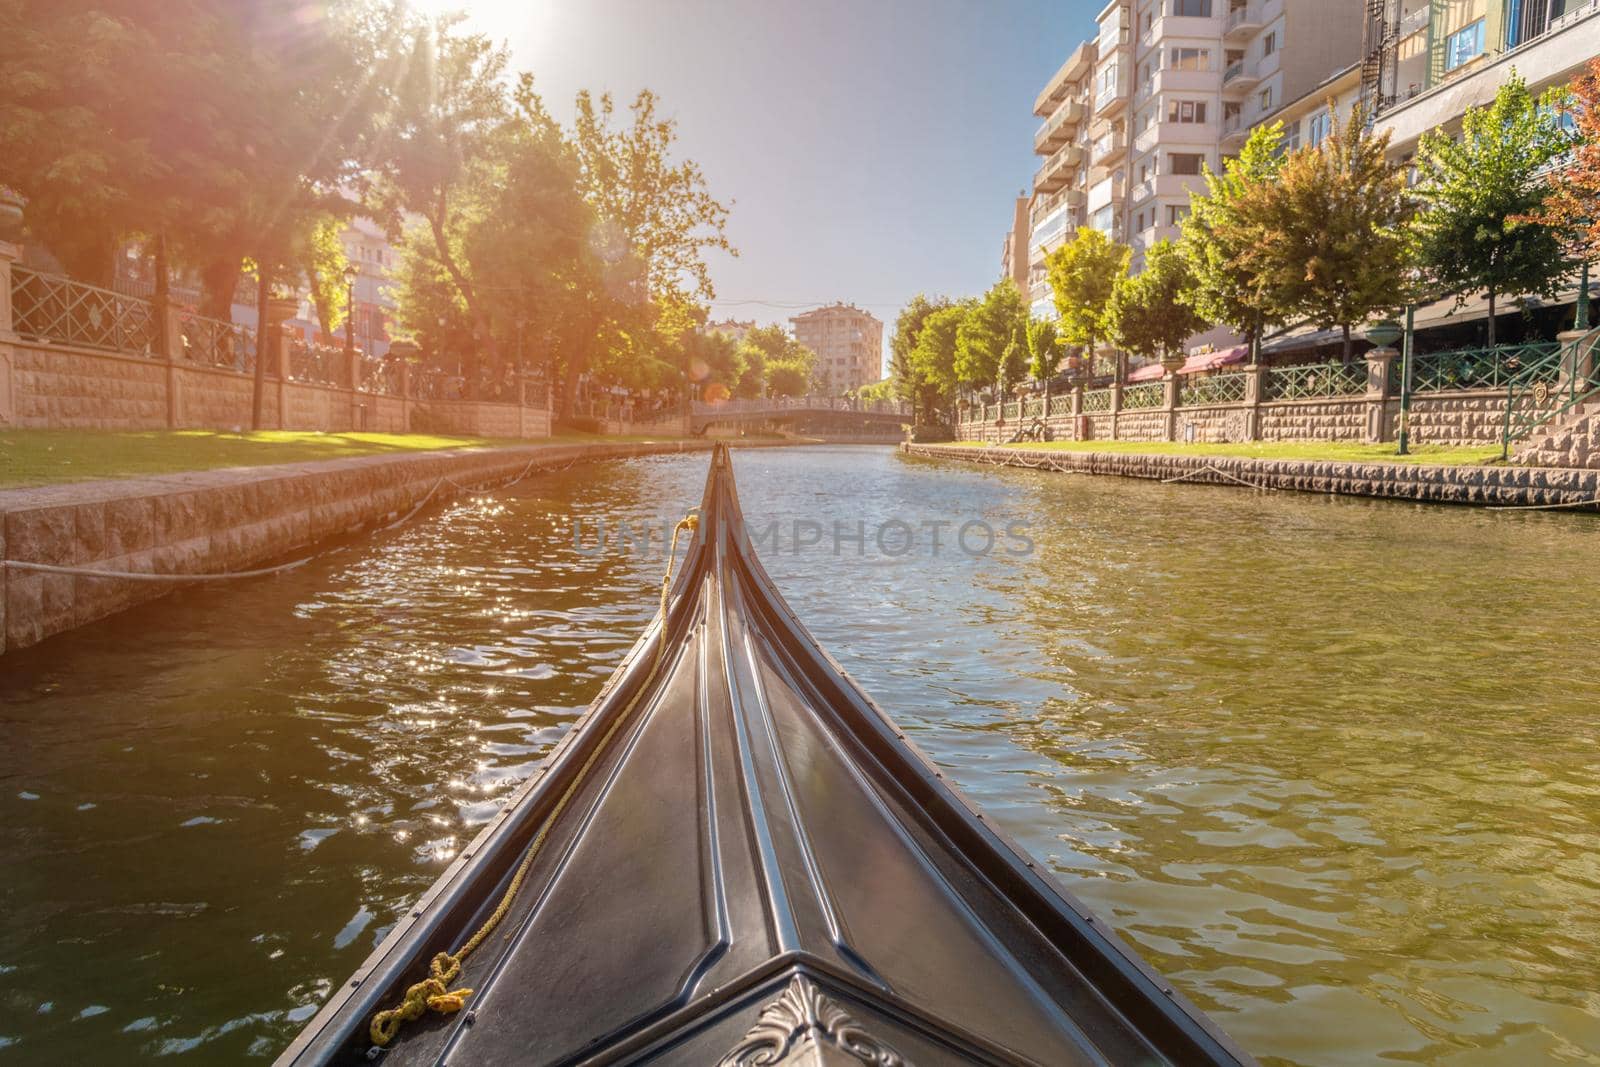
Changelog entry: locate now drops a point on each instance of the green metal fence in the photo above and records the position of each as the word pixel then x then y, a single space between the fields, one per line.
pixel 1548 386
pixel 1096 401
pixel 1146 395
pixel 1313 380
pixel 1214 389
pixel 1475 368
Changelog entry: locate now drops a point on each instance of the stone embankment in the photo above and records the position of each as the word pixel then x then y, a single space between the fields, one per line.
pixel 1478 485
pixel 225 521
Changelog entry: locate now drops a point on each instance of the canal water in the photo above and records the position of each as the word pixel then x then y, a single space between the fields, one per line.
pixel 1332 765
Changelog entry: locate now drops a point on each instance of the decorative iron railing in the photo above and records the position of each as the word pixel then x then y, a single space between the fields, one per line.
pixel 1198 391
pixel 214 343
pixel 1060 404
pixel 1312 380
pixel 1096 401
pixel 1144 395
pixel 315 363
pixel 380 376
pixel 46 307
pixel 1033 407
pixel 1474 368
pixel 1548 386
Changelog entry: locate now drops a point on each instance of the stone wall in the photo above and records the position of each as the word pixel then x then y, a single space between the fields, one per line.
pixel 1465 418
pixel 1145 424
pixel 54 387
pixel 1482 485
pixel 223 520
pixel 1223 423
pixel 1332 419
pixel 48 386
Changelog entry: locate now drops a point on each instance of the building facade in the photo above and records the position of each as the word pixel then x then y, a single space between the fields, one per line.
pixel 1014 253
pixel 848 343
pixel 1166 89
pixel 1055 210
pixel 732 327
pixel 1426 62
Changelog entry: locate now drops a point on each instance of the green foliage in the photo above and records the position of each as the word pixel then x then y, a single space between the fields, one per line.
pixel 1082 274
pixel 907 326
pixel 1217 235
pixel 1044 349
pixel 933 358
pixel 992 339
pixel 776 364
pixel 879 392
pixel 324 269
pixel 1332 234
pixel 1146 315
pixel 1572 205
pixel 1478 190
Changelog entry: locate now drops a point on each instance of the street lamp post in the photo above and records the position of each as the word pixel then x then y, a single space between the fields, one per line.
pixel 1405 379
pixel 350 276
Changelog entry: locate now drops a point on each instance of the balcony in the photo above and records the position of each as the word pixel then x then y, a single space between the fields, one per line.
pixel 1243 21
pixel 1240 76
pixel 1414 22
pixel 1234 132
pixel 1061 128
pixel 1058 169
pixel 1108 148
pixel 1181 136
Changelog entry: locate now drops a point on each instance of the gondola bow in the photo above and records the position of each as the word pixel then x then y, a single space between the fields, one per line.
pixel 756 868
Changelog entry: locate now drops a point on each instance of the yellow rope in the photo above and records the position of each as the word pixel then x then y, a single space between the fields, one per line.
pixel 434 993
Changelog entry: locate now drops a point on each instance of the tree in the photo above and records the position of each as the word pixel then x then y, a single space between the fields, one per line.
pixel 1044 349
pixel 1082 273
pixel 655 218
pixel 1333 232
pixel 1148 315
pixel 992 339
pixel 1216 236
pixel 1571 206
pixel 1479 190
pixel 776 364
pixel 933 359
pixel 450 105
pixel 908 384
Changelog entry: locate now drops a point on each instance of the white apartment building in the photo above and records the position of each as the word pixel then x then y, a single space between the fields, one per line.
pixel 848 342
pixel 1060 186
pixel 1166 89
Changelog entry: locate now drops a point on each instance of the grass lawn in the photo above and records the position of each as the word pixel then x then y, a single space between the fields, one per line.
pixel 1347 451
pixel 43 457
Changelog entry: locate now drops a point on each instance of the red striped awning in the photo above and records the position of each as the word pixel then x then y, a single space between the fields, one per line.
pixel 1194 364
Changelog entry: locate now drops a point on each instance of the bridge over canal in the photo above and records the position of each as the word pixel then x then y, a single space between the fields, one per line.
pixel 828 417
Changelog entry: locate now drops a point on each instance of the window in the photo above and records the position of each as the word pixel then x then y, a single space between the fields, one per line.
pixel 1189 59
pixel 1194 8
pixel 1103 219
pixel 1291 138
pixel 1184 162
pixel 1463 45
pixel 1108 82
pixel 1269 43
pixel 1318 127
pixel 1176 213
pixel 1187 111
pixel 1265 100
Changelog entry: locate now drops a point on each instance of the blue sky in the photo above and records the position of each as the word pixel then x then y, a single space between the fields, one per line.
pixel 871 148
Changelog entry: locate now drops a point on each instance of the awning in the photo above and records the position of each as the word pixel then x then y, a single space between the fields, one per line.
pixel 1194 364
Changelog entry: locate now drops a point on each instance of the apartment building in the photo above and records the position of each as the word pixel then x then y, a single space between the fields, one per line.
pixel 848 343
pixel 1165 89
pixel 732 327
pixel 1426 62
pixel 1055 211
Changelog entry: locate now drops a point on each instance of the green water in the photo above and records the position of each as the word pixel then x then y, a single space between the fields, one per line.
pixel 1332 765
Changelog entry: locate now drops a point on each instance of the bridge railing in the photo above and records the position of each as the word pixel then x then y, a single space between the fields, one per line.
pixel 772 405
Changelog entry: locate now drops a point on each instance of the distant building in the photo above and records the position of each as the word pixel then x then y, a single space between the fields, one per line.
pixel 1014 254
pixel 848 343
pixel 732 327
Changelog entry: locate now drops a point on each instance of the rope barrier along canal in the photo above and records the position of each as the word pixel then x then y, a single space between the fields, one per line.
pixel 433 993
pixel 259 572
pixel 1210 468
